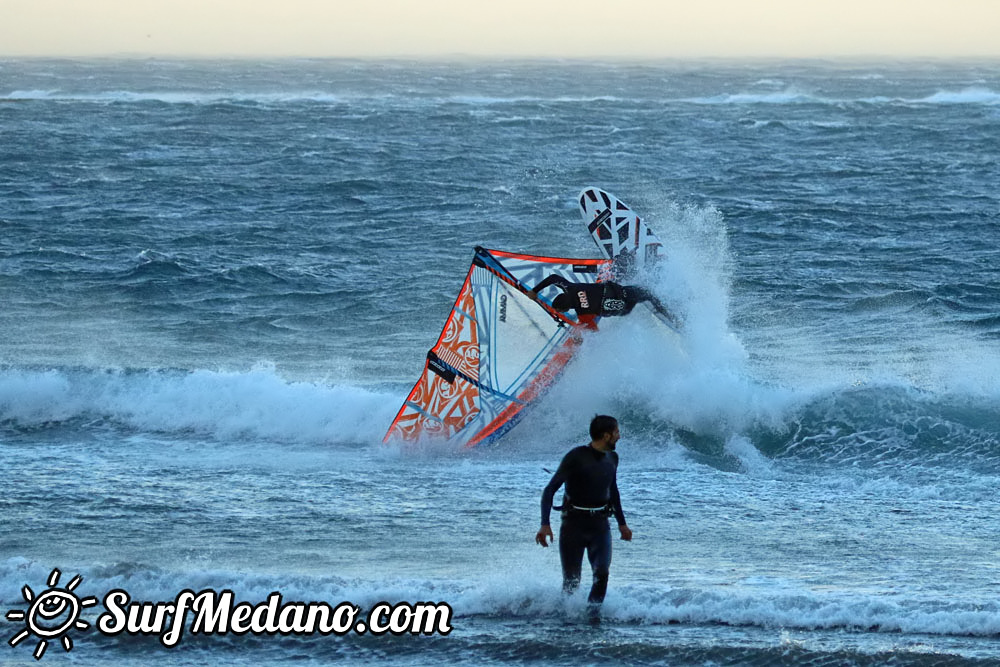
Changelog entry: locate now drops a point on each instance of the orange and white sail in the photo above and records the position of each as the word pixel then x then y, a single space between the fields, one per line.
pixel 500 348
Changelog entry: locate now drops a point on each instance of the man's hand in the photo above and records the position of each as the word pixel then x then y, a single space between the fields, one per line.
pixel 625 531
pixel 545 532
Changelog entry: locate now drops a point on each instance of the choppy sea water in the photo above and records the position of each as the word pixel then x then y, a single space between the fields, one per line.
pixel 218 281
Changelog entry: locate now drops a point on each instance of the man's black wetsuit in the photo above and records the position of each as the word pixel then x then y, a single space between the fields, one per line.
pixel 590 476
pixel 603 299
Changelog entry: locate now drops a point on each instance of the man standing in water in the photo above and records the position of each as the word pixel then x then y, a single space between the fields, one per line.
pixel 590 475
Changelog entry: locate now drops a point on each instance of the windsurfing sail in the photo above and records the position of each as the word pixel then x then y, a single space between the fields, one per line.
pixel 499 350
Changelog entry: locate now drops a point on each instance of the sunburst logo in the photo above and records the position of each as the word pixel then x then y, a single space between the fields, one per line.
pixel 51 614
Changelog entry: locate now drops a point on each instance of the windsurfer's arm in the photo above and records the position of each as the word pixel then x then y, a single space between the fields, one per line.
pixel 616 507
pixel 548 494
pixel 554 279
pixel 664 313
pixel 641 294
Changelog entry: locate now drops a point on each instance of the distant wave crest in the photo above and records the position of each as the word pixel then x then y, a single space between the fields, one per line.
pixel 256 404
pixel 790 96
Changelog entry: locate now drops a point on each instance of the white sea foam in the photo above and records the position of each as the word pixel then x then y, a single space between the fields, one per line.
pixel 975 95
pixel 196 97
pixel 698 380
pixel 787 96
pixel 254 404
pixel 176 97
pixel 972 95
pixel 533 593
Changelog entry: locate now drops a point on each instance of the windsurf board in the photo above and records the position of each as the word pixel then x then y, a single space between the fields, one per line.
pixel 623 237
pixel 619 233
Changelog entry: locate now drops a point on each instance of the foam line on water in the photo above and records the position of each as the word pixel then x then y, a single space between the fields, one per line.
pixel 251 404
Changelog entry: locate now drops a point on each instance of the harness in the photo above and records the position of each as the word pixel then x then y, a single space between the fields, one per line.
pixel 567 508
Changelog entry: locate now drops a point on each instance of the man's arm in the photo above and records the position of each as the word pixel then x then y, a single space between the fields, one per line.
pixel 642 294
pixel 548 494
pixel 554 279
pixel 616 507
pixel 666 314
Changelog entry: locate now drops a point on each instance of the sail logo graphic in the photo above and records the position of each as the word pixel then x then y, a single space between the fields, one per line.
pixel 51 614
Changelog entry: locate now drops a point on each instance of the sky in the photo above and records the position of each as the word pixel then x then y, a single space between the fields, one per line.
pixel 502 28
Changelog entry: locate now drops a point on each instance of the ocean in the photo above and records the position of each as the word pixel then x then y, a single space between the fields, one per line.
pixel 219 280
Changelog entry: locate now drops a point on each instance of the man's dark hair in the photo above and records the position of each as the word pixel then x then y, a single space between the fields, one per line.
pixel 602 424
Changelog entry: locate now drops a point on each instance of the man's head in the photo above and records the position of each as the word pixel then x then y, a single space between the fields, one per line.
pixel 562 302
pixel 604 431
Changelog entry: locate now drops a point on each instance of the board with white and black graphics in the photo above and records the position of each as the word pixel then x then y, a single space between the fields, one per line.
pixel 620 234
pixel 625 239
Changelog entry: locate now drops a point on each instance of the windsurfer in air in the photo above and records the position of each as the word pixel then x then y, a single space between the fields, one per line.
pixel 608 299
pixel 590 473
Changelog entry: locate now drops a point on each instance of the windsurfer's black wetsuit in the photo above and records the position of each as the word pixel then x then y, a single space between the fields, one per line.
pixel 604 299
pixel 591 300
pixel 591 479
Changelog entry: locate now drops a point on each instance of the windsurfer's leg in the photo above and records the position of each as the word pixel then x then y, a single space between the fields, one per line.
pixel 599 554
pixel 571 548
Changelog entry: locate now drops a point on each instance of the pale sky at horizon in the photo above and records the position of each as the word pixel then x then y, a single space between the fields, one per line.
pixel 513 28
